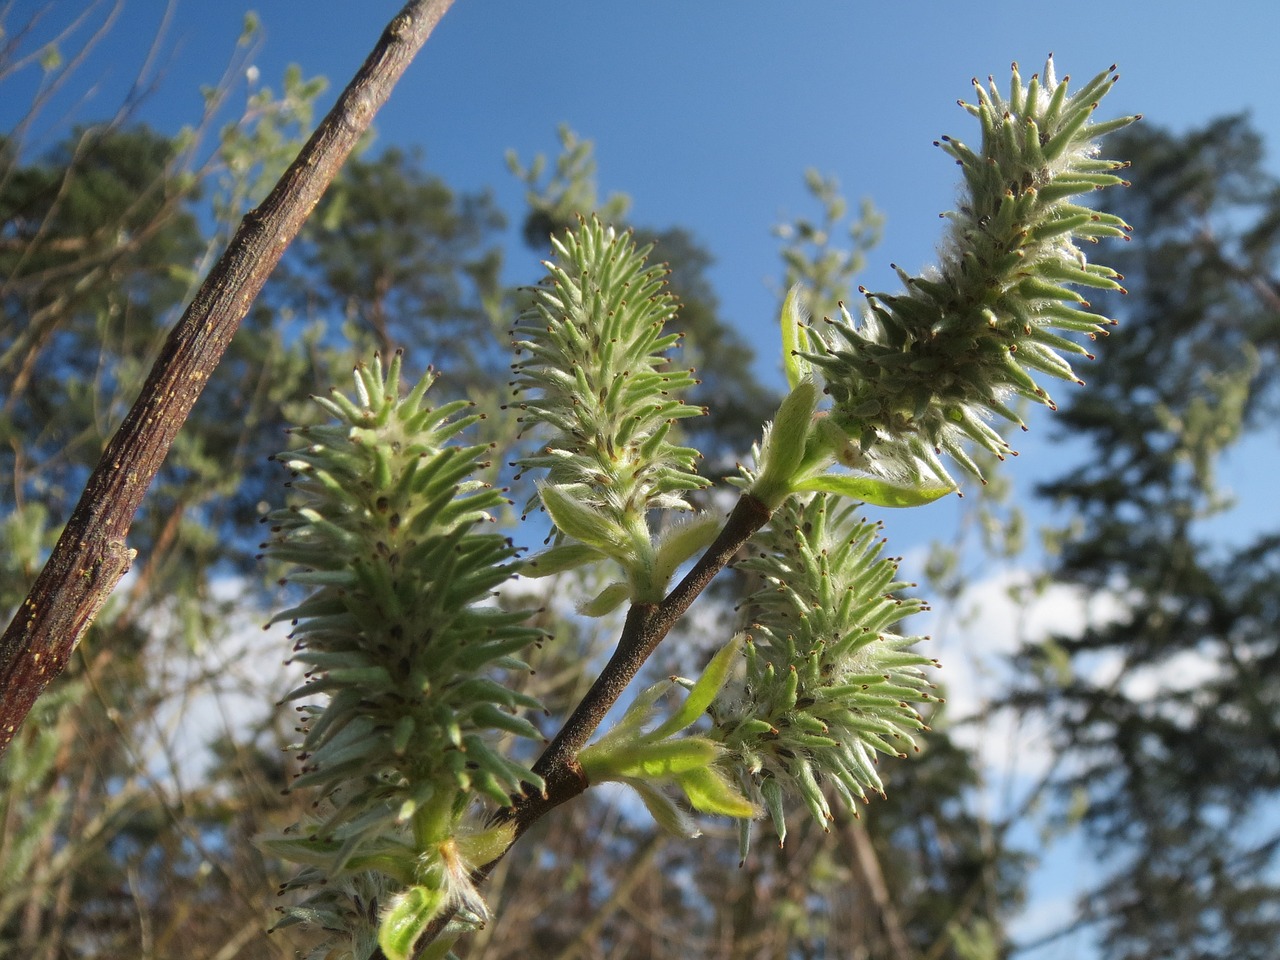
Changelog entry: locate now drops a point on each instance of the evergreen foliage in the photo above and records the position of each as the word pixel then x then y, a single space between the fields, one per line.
pixel 411 265
pixel 1172 761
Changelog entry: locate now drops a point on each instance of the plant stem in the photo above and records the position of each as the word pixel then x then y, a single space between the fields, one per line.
pixel 646 626
pixel 91 555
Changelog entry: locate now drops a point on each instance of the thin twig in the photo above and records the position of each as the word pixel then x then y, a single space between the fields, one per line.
pixel 639 869
pixel 646 626
pixel 91 556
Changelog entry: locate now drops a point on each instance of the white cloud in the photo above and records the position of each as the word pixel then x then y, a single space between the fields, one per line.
pixel 220 689
pixel 1185 670
pixel 974 639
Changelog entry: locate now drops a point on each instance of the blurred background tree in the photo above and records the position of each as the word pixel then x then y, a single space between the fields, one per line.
pixel 1166 720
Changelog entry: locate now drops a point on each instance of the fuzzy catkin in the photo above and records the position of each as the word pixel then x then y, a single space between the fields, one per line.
pixel 922 372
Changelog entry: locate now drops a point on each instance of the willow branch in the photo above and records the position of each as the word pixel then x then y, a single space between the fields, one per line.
pixel 91 555
pixel 646 626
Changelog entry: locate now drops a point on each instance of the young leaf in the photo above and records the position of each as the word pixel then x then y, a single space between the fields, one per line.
pixel 680 542
pixel 795 341
pixel 408 917
pixel 663 809
pixel 558 559
pixel 704 691
pixel 872 490
pixel 606 601
pixel 710 791
pixel 578 519
pixel 655 759
pixel 782 453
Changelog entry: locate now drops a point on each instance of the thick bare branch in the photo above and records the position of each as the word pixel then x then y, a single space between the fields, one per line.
pixel 91 556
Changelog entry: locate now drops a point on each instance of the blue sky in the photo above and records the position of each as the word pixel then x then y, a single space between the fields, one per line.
pixel 708 112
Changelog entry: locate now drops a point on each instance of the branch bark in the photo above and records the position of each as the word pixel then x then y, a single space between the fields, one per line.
pixel 91 555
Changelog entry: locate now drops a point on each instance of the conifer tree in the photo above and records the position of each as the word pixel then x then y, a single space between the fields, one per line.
pixel 1170 754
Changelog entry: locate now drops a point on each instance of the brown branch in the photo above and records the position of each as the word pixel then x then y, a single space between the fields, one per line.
pixel 646 626
pixel 91 556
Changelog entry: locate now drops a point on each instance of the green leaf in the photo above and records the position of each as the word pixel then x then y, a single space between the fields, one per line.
pixel 704 691
pixel 880 493
pixel 783 452
pixel 663 809
pixel 410 914
pixel 645 758
pixel 582 522
pixel 795 341
pixel 558 559
pixel 606 601
pixel 487 845
pixel 680 542
pixel 710 791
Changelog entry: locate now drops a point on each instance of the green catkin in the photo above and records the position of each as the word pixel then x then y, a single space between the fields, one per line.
pixel 400 639
pixel 967 336
pixel 593 375
pixel 824 681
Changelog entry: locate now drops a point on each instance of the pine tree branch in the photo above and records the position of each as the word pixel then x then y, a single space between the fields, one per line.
pixel 91 555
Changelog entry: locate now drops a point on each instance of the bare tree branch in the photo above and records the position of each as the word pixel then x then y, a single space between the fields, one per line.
pixel 867 862
pixel 91 555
